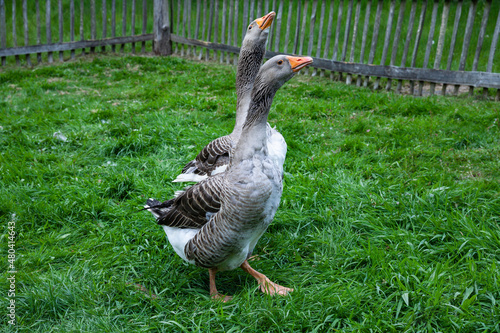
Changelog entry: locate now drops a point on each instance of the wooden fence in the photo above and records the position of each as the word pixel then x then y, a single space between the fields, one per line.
pixel 426 46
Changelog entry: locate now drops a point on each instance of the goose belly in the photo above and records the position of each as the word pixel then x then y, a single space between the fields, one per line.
pixel 178 238
pixel 276 147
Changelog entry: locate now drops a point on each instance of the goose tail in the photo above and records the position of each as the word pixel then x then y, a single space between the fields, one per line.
pixel 157 208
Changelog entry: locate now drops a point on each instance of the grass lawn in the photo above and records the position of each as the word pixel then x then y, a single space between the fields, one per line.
pixel 389 220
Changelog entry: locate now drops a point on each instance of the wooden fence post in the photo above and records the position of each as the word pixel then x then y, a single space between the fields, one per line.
pixel 162 28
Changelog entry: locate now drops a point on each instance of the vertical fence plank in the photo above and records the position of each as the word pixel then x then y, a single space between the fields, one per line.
pixel 440 46
pixel 491 56
pixel 430 40
pixel 312 22
pixel 458 13
pixel 409 32
pixel 144 23
pixel 347 30
pixel 104 23
pixel 26 31
pixel 132 23
pixel 328 35
pixel 245 19
pixel 297 26
pixel 303 28
pixel 61 27
pixel 373 47
pixel 235 32
pixel 216 26
pixel 14 32
pixel 223 30
pixel 259 9
pixel 423 10
pixel 3 29
pixel 230 24
pixel 162 27
pixel 364 38
pixel 387 40
pixel 197 27
pixel 210 27
pixel 124 22
pixel 72 25
pixel 203 27
pixel 397 35
pixel 93 34
pixel 320 34
pixel 288 26
pixel 38 30
pixel 337 30
pixel 48 31
pixel 480 39
pixel 272 28
pixel 278 27
pixel 467 38
pixel 181 30
pixel 81 23
pixel 113 23
pixel 354 36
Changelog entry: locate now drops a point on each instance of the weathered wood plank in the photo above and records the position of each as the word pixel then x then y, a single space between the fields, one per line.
pixel 337 30
pixel 467 38
pixel 71 25
pixel 278 27
pixel 3 29
pixel 132 23
pixel 113 23
pixel 272 29
pixel 38 29
pixel 397 35
pixel 26 31
pixel 236 34
pixel 376 30
pixel 297 26
pixel 458 14
pixel 162 44
pixel 93 33
pixel 230 24
pixel 326 49
pixel 210 27
pixel 197 27
pixel 303 28
pixel 56 47
pixel 82 14
pixel 347 30
pixel 144 23
pixel 409 33
pixel 216 26
pixel 124 22
pixel 312 22
pixel 423 10
pixel 354 36
pixel 494 42
pixel 48 31
pixel 288 26
pixel 245 19
pixel 440 46
pixel 203 26
pixel 61 27
pixel 430 41
pixel 364 38
pixel 387 40
pixel 14 31
pixel 104 10
pixel 320 34
pixel 223 29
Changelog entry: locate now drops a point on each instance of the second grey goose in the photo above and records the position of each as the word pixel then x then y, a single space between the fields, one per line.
pixel 217 222
pixel 214 157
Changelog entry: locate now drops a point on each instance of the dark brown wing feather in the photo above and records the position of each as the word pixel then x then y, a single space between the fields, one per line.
pixel 213 155
pixel 189 210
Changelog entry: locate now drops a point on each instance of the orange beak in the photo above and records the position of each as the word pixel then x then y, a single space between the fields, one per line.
pixel 297 63
pixel 265 21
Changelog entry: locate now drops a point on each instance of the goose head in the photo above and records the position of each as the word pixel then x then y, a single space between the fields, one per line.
pixel 258 30
pixel 278 70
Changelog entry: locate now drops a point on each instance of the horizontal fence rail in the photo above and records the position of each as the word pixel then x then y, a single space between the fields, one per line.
pixel 52 27
pixel 410 46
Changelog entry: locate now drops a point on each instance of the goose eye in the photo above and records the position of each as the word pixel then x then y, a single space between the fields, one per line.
pixel 280 62
pixel 249 27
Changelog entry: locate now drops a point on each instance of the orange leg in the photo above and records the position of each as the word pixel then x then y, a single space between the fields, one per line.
pixel 213 289
pixel 265 285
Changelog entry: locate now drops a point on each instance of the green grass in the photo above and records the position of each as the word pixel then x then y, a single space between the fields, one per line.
pixel 389 220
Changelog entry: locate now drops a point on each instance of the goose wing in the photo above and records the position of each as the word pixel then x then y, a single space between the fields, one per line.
pixel 193 207
pixel 213 155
